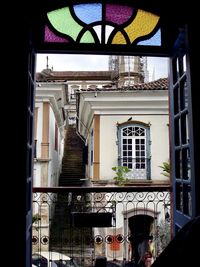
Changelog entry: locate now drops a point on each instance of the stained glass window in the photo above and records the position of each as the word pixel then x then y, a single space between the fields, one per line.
pixel 98 22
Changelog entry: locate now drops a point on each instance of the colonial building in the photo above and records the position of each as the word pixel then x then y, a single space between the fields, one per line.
pixel 122 71
pixel 49 133
pixel 125 127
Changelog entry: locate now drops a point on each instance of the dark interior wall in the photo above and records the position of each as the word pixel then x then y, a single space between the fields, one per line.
pixel 17 181
pixel 15 50
pixel 194 59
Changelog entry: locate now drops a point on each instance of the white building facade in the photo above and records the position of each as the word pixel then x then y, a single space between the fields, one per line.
pixel 49 146
pixel 126 129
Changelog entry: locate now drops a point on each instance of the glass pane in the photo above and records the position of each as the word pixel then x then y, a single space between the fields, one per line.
pixel 177 131
pixel 129 166
pixel 186 164
pixel 179 197
pixel 187 201
pixel 60 20
pixel 184 128
pixel 102 23
pixel 175 74
pixel 176 100
pixel 183 95
pixel 142 166
pixel 177 164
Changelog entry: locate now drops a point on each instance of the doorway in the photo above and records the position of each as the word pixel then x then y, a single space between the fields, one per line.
pixel 24 181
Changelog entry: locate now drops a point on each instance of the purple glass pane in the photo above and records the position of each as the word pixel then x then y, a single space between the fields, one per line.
pixel 50 37
pixel 118 14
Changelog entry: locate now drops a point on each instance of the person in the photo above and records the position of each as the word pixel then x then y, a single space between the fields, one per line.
pixel 146 251
pixel 130 253
pixel 148 259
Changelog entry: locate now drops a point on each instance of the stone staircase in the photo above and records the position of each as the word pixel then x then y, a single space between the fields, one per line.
pixel 73 170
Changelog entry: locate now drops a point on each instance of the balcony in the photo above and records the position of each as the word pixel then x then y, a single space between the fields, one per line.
pixel 90 222
pixel 139 167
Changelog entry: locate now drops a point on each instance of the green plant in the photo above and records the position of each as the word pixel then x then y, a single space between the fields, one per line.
pixel 164 234
pixel 120 172
pixel 35 218
pixel 166 168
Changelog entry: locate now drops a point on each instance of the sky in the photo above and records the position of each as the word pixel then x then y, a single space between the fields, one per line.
pixel 157 67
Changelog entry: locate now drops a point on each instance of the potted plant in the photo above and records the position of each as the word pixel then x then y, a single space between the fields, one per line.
pixel 166 168
pixel 120 172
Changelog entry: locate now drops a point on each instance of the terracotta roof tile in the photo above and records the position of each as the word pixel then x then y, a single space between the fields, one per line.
pixel 48 75
pixel 160 84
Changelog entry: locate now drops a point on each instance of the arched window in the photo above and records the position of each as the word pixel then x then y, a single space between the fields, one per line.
pixel 120 26
pixel 134 150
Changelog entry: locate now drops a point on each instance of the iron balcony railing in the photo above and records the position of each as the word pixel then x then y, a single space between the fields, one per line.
pixel 87 222
pixel 140 167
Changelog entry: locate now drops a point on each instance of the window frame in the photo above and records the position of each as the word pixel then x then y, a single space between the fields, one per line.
pixel 147 148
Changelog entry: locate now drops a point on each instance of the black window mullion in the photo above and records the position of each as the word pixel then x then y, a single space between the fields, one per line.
pixel 181 144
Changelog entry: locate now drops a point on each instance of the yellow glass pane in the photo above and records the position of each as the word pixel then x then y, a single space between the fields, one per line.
pixel 119 39
pixel 143 24
pixel 63 22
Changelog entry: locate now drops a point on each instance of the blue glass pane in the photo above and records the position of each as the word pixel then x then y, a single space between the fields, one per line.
pixel 89 13
pixel 154 40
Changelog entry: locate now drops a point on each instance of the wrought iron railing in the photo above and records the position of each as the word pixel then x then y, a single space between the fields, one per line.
pixel 85 223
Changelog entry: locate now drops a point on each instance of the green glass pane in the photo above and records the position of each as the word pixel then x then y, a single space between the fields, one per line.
pixel 63 22
pixel 87 38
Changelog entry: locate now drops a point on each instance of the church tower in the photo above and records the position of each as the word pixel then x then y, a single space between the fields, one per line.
pixel 130 69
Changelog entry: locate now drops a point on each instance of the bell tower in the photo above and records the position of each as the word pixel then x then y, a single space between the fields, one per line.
pixel 130 69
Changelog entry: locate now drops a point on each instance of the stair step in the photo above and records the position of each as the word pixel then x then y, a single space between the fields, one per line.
pixel 72 170
pixel 72 163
